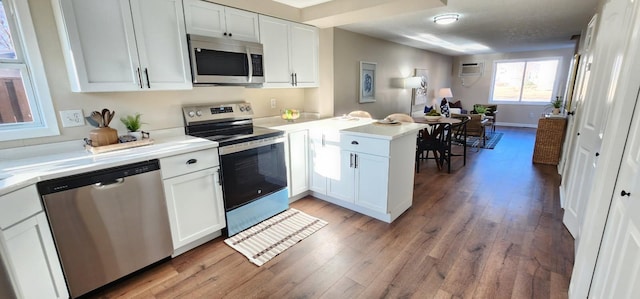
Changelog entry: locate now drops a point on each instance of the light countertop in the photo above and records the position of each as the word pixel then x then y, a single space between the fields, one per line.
pixel 385 131
pixel 52 162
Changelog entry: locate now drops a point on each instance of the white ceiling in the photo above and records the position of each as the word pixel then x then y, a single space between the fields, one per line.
pixel 301 3
pixel 485 26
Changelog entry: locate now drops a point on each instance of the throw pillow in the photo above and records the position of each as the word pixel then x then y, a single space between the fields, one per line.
pixel 444 108
pixel 456 104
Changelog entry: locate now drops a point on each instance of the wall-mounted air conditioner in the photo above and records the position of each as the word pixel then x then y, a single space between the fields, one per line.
pixel 471 69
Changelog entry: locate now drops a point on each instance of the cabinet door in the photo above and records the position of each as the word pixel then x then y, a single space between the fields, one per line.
pixel 242 25
pixel 304 54
pixel 204 18
pixel 317 167
pixel 340 183
pixel 372 175
pixel 162 44
pixel 32 258
pixel 194 204
pixel 274 35
pixel 99 45
pixel 298 157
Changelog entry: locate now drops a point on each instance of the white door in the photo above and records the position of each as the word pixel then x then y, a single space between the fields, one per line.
pixel 304 55
pixel 341 183
pixel 618 266
pixel 274 36
pixel 194 205
pixel 103 44
pixel 204 18
pixel 318 169
pixel 162 44
pixel 33 260
pixel 372 177
pixel 242 25
pixel 613 32
pixel 581 84
pixel 298 157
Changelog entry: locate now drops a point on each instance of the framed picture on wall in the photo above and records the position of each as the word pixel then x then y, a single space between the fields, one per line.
pixel 367 82
pixel 420 94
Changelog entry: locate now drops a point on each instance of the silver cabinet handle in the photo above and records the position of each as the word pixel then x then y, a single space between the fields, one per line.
pixel 354 142
pixel 293 82
pixel 295 75
pixel 219 177
pixel 350 160
pixel 355 161
pixel 192 161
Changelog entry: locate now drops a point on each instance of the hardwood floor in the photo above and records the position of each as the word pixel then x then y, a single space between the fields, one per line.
pixel 491 229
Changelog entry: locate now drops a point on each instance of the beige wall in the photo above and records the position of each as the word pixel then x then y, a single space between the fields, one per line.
pixel 476 90
pixel 160 109
pixel 394 61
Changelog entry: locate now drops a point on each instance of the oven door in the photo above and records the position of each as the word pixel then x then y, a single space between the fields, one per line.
pixel 252 170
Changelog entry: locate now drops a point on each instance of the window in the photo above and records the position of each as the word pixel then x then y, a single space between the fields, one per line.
pixel 26 110
pixel 525 81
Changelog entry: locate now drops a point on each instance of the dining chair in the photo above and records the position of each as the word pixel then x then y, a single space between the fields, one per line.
pixel 359 113
pixel 431 140
pixel 401 117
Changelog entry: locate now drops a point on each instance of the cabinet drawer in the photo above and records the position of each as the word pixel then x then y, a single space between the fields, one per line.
pixel 19 205
pixel 374 146
pixel 189 162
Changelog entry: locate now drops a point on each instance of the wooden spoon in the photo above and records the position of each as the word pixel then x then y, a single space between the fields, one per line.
pixel 105 117
pixel 98 118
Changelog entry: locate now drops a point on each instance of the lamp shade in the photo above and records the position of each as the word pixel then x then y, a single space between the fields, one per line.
pixel 445 93
pixel 412 82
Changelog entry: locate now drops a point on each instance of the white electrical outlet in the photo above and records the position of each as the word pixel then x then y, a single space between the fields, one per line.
pixel 72 118
pixel 273 103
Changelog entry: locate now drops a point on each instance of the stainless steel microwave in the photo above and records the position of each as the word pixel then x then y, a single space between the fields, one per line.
pixel 225 61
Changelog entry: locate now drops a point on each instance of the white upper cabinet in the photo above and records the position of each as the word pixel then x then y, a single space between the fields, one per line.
pixel 124 45
pixel 290 53
pixel 209 19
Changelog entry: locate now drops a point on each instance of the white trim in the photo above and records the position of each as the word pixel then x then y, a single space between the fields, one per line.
pixel 518 125
pixel 35 70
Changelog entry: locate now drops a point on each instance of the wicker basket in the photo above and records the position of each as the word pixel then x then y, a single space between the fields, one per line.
pixel 549 139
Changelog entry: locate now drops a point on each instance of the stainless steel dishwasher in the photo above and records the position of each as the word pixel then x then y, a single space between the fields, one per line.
pixel 107 223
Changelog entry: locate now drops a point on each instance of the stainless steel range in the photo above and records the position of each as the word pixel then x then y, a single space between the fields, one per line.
pixel 254 175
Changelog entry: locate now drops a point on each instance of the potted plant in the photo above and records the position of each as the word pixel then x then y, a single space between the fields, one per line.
pixel 556 104
pixel 133 124
pixel 480 109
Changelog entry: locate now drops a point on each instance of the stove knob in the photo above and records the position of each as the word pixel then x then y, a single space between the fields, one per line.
pixel 241 108
pixel 248 108
pixel 191 114
pixel 199 113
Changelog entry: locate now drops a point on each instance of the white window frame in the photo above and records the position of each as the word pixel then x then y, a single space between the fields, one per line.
pixel 29 62
pixel 554 93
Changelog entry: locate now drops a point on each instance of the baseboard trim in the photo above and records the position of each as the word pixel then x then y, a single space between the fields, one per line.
pixel 517 125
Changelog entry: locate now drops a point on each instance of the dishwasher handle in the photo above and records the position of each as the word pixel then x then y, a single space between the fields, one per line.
pixel 108 184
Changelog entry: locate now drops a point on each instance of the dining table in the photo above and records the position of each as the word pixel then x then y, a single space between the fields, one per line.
pixel 449 124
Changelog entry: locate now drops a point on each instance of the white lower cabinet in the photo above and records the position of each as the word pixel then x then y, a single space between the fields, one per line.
pixel 297 162
pixel 28 249
pixel 372 176
pixel 194 199
pixel 324 158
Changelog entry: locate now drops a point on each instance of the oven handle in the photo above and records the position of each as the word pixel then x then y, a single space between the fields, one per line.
pixel 234 148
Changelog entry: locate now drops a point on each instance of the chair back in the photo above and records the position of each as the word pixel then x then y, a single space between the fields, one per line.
pixel 360 113
pixel 401 117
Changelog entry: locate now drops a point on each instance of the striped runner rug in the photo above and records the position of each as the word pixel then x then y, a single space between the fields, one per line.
pixel 263 241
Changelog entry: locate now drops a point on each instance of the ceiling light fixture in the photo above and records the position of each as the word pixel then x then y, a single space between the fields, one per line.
pixel 446 18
